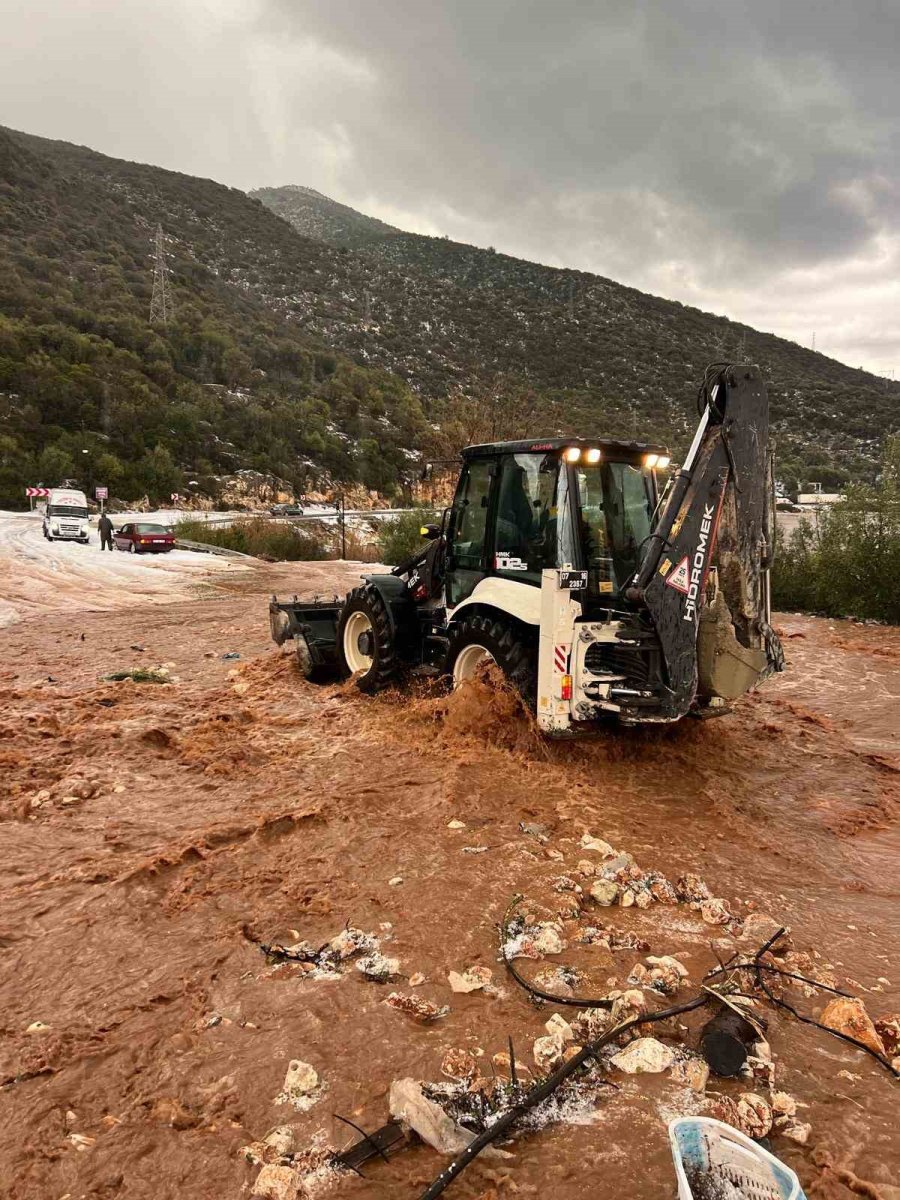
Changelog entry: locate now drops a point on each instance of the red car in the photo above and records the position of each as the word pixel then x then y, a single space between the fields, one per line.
pixel 138 536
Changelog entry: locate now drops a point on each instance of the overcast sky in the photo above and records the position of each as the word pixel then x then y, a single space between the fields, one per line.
pixel 740 156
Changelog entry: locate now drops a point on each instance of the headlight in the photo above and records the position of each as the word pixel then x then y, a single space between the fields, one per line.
pixel 592 456
pixel 571 454
pixel 650 460
pixel 663 461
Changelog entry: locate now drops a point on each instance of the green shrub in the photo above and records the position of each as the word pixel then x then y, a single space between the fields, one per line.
pixel 847 563
pixel 260 537
pixel 399 538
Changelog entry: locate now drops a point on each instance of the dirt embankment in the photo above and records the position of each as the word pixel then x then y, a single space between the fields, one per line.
pixel 154 834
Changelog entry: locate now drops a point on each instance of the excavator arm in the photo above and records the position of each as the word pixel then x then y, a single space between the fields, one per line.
pixel 703 577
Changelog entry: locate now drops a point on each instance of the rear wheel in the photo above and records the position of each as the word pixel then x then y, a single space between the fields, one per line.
pixel 365 641
pixel 476 640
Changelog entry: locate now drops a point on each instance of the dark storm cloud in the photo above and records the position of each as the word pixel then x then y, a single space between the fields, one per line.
pixel 740 156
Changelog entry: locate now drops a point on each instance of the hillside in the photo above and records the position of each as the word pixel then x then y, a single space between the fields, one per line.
pixel 334 348
pixel 611 356
pixel 89 389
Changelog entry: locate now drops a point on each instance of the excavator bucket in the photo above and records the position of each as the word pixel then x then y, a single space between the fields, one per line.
pixel 704 577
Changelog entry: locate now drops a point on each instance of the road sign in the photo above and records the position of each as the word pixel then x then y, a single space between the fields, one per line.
pixel 44 492
pixel 175 497
pixel 101 493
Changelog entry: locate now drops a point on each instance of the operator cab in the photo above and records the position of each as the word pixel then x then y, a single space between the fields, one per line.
pixel 521 507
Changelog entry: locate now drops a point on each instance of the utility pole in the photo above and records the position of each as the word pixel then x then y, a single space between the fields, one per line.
pixel 814 342
pixel 160 302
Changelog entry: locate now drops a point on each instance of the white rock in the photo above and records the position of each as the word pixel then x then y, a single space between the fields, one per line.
pixel 38 1027
pixel 456 824
pixel 80 1141
pixel 300 1084
pixel 692 1071
pixel 644 1055
pixel 547 1051
pixel 277 1183
pixel 470 980
pixel 666 961
pixel 549 939
pixel 560 1026
pixel 797 1131
pixel 280 1139
pixel 604 892
pixel 597 844
pixel 376 966
pixel 396 881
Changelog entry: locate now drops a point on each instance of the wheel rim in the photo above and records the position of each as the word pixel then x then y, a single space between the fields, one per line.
pixel 358 640
pixel 468 661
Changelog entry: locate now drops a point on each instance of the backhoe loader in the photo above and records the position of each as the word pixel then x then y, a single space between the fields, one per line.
pixel 599 593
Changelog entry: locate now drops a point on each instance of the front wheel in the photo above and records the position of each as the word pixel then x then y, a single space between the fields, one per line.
pixel 365 641
pixel 132 548
pixel 476 640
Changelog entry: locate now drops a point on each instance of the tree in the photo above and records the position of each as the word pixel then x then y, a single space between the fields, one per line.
pixel 53 465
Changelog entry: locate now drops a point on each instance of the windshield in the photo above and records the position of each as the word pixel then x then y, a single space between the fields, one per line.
pixel 615 510
pixel 151 529
pixel 67 510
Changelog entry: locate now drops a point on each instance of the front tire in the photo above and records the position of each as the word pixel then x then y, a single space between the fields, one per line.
pixel 132 548
pixel 365 641
pixel 477 639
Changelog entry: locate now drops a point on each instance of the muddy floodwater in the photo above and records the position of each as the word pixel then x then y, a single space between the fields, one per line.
pixel 153 835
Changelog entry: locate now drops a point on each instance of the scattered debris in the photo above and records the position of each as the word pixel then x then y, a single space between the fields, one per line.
pixel 459 1064
pixel 416 1006
pixel 377 967
pixel 475 849
pixel 229 656
pixel 725 1041
pixel 408 1103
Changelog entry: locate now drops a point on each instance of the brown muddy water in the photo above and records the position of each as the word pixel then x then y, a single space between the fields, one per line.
pixel 153 834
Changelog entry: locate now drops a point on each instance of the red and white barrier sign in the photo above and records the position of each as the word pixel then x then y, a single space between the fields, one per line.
pixel 43 492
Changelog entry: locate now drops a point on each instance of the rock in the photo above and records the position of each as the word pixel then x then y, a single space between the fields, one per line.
pixel 797 1131
pixel 38 1027
pixel 416 979
pixel 643 899
pixel 548 1051
pixel 662 891
pixel 585 867
pixel 456 824
pixel 395 881
pixel 758 928
pixel 471 980
pixel 888 1029
pixel 754 1114
pixel 280 1139
pixel 692 1071
pixel 558 981
pixel 639 976
pixel 416 1006
pixel 549 939
pixel 642 1055
pixel 503 1065
pixel 352 941
pixel 667 962
pixel 71 1118
pixel 715 911
pixel 604 891
pixel 377 967
pixel 565 883
pixel 300 1080
pixel 39 798
pixel 627 1005
pixel 560 1026
pixel 626 898
pixel 459 1064
pixel 783 1105
pixel 598 845
pixel 591 1023
pixel 692 889
pixel 277 1183
pixel 848 1015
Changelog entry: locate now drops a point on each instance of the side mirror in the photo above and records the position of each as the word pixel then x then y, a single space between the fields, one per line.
pixel 430 532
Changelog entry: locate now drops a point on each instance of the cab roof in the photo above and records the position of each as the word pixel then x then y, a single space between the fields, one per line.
pixel 611 448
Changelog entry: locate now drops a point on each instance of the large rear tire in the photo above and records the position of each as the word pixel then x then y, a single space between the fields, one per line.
pixel 477 639
pixel 365 641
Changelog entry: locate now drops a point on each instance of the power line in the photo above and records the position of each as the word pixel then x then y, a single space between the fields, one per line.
pixel 161 311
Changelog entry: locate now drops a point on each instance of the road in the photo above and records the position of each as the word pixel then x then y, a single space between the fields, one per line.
pixel 153 836
pixel 43 577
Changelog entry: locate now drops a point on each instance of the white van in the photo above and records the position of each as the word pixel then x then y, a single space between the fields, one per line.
pixel 66 516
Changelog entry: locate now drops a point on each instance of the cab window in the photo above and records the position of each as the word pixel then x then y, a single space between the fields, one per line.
pixel 527 516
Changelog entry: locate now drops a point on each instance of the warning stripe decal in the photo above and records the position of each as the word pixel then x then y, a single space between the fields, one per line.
pixel 560 658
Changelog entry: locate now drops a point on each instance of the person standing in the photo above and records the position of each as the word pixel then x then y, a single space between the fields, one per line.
pixel 105 526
